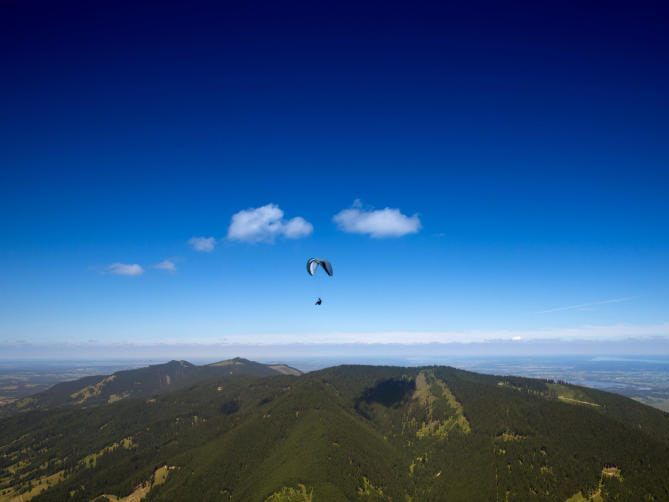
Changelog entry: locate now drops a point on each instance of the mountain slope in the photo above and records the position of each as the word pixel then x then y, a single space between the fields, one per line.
pixel 141 383
pixel 349 432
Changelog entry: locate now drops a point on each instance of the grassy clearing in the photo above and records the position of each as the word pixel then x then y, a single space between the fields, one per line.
pixel 26 490
pixel 14 468
pixel 422 393
pixel 507 436
pixel 285 370
pixel 368 489
pixel 159 477
pixel 289 494
pixel 229 362
pixel 434 394
pixel 117 397
pixel 34 488
pixel 90 461
pixel 571 395
pixel 570 400
pixel 418 461
pixel 26 401
pixel 579 497
pixel 90 391
pixel 610 472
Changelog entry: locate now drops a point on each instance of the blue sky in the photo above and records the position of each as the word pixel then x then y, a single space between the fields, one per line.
pixel 517 155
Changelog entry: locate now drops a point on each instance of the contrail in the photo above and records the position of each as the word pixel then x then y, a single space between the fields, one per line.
pixel 583 305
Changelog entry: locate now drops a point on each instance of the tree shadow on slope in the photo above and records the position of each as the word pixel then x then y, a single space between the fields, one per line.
pixel 391 393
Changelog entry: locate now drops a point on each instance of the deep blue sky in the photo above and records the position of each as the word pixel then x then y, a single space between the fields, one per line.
pixel 531 141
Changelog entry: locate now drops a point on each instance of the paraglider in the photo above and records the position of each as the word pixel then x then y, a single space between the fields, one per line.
pixel 314 263
pixel 312 267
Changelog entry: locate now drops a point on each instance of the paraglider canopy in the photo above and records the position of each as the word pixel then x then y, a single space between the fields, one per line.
pixel 314 263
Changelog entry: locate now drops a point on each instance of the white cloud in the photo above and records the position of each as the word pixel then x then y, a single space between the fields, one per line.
pixel 265 223
pixel 202 244
pixel 297 227
pixel 377 223
pixel 167 265
pixel 129 269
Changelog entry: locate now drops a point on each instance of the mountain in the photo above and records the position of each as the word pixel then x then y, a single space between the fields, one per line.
pixel 141 383
pixel 343 433
pixel 241 366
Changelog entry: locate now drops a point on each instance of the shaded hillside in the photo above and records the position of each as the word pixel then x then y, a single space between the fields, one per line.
pixel 345 433
pixel 141 383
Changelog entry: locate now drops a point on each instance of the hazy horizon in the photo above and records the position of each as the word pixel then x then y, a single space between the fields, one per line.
pixel 657 347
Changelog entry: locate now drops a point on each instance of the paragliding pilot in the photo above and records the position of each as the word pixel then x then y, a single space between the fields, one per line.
pixel 312 266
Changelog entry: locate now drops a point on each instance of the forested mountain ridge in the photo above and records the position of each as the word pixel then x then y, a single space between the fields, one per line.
pixel 344 433
pixel 140 383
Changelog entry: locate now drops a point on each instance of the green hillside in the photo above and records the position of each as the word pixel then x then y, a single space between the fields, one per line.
pixel 344 433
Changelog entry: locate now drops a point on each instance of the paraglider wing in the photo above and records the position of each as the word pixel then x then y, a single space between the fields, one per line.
pixel 312 265
pixel 326 266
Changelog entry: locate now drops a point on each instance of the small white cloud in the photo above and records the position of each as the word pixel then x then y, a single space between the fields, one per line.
pixel 377 223
pixel 129 269
pixel 297 227
pixel 202 244
pixel 167 265
pixel 265 223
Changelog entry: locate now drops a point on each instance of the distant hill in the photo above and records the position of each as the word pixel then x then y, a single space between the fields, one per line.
pixel 239 365
pixel 141 383
pixel 343 433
